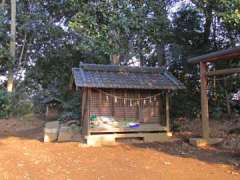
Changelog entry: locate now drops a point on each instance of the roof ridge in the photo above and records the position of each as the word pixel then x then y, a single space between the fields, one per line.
pixel 121 68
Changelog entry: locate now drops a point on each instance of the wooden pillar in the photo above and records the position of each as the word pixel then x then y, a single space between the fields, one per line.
pixel 140 113
pixel 89 97
pixel 84 117
pixel 113 103
pixel 160 110
pixel 124 104
pixel 100 105
pixel 167 112
pixel 83 111
pixel 204 100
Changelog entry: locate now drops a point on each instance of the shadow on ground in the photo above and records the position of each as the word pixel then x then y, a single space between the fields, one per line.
pixel 34 133
pixel 31 129
pixel 181 148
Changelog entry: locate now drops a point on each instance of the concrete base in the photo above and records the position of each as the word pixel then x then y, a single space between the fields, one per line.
pixel 110 139
pixel 51 131
pixel 66 133
pixel 200 142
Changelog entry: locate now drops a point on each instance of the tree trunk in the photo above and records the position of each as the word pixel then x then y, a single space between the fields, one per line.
pixel 161 55
pixel 12 47
pixel 228 104
pixel 208 23
pixel 227 99
pixel 141 60
pixel 115 59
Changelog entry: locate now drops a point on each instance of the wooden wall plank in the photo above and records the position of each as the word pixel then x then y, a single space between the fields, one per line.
pixel 148 113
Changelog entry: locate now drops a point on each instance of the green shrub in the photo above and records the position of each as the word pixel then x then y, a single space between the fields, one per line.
pixel 14 104
pixel 21 103
pixel 185 104
pixel 21 108
pixel 217 113
pixel 5 106
pixel 71 107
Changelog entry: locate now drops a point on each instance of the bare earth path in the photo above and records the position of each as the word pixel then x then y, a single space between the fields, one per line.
pixel 24 156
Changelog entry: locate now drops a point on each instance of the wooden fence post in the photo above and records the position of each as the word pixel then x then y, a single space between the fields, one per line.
pixel 204 100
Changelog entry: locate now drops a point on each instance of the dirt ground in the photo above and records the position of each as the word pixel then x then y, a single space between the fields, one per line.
pixel 23 155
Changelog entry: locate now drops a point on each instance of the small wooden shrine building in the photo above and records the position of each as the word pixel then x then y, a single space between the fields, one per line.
pixel 52 108
pixel 124 101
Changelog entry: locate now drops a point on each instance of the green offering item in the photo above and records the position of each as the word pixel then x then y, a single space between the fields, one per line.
pixel 93 117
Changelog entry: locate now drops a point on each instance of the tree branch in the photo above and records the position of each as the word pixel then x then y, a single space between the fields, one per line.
pixel 2 4
pixel 23 48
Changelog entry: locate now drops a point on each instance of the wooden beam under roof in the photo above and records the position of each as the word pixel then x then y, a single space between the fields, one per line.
pixel 227 54
pixel 223 72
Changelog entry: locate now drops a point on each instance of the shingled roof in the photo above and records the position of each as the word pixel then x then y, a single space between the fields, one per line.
pixel 124 77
